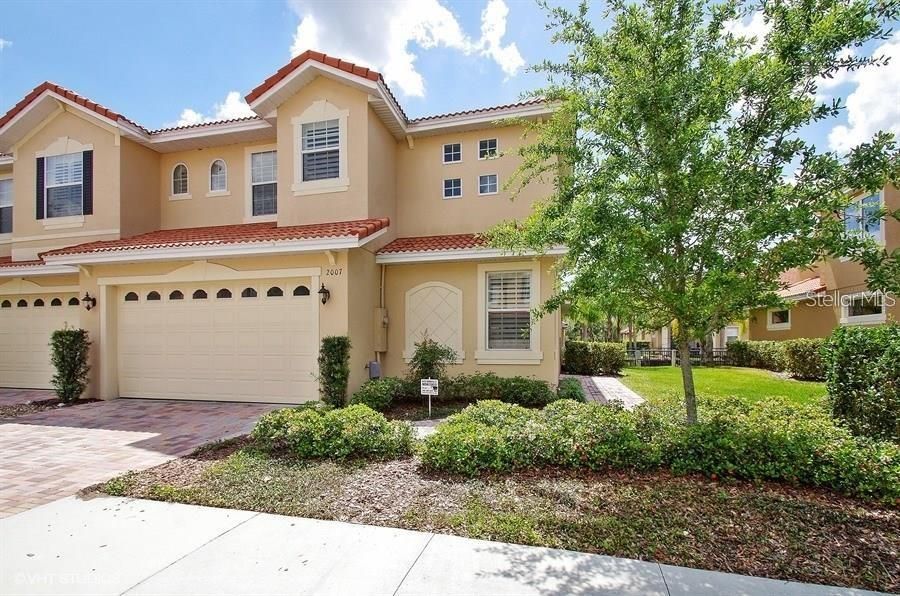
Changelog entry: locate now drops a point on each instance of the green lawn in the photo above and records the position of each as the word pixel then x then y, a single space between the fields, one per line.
pixel 747 383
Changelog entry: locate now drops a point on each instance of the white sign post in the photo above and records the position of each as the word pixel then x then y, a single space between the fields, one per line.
pixel 428 387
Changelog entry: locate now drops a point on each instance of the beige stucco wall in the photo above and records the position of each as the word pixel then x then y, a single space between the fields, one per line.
pixel 421 208
pixel 810 319
pixel 6 171
pixel 382 169
pixel 140 189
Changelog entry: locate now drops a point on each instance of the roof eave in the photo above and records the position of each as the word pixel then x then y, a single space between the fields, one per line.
pixel 466 254
pixel 36 270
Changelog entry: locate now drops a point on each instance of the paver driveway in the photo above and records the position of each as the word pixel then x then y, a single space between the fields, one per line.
pixel 53 454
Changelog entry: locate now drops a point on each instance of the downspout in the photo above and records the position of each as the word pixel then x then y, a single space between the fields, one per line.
pixel 380 306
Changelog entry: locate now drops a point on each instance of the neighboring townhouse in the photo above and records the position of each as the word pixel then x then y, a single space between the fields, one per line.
pixel 208 261
pixel 834 292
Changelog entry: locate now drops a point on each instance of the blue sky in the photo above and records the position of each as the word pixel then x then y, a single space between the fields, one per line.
pixel 162 63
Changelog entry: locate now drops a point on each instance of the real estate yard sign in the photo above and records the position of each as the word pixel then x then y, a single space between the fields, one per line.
pixel 428 387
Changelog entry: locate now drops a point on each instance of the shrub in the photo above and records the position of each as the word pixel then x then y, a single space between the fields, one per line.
pixel 378 394
pixel 571 389
pixel 334 369
pixel 863 379
pixel 803 359
pixel 69 350
pixel 430 360
pixel 757 354
pixel 487 386
pixel 594 358
pixel 353 432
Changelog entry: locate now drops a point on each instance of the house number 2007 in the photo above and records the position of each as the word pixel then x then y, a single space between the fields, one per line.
pixel 334 271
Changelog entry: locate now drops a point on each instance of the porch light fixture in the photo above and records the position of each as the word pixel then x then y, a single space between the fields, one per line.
pixel 324 294
pixel 89 301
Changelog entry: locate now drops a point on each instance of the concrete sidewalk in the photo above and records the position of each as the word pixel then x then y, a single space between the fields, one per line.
pixel 110 545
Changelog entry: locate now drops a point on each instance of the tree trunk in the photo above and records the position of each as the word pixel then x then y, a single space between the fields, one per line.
pixel 687 378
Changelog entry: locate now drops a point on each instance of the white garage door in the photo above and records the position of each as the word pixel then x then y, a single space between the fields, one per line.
pixel 229 341
pixel 26 323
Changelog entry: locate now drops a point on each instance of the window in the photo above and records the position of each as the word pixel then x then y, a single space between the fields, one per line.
pixel 218 176
pixel 509 310
pixel 263 182
pixel 56 302
pixel 452 152
pixel 778 319
pixel 199 295
pixel 22 304
pixel 863 308
pixel 301 291
pixel 131 297
pixel 320 147
pixel 6 205
pixel 63 185
pixel 862 217
pixel 176 295
pixel 223 293
pixel 73 301
pixel 180 180
pixel 487 149
pixel 248 293
pixel 153 296
pixel 38 303
pixel 6 304
pixel 732 334
pixel 275 292
pixel 452 188
pixel 487 185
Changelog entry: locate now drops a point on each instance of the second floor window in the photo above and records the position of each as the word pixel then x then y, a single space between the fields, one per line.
pixel 263 182
pixel 452 152
pixel 6 205
pixel 452 188
pixel 320 148
pixel 180 180
pixel 487 185
pixel 63 185
pixel 218 176
pixel 487 148
pixel 862 217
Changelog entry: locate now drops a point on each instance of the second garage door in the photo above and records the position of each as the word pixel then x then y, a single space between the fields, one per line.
pixel 234 341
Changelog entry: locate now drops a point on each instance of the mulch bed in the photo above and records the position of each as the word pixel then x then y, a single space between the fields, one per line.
pixel 33 407
pixel 762 529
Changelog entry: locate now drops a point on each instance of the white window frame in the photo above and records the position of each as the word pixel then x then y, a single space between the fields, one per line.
pixel 444 153
pixel 531 356
pixel 47 186
pixel 778 326
pixel 7 236
pixel 857 201
pixel 737 334
pixel 496 148
pixel 64 146
pixel 184 196
pixel 846 319
pixel 496 184
pixel 444 190
pixel 319 111
pixel 248 201
pixel 217 193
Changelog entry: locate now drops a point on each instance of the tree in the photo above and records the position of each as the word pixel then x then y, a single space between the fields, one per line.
pixel 672 149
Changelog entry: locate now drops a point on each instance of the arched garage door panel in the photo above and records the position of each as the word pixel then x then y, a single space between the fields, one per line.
pixel 234 341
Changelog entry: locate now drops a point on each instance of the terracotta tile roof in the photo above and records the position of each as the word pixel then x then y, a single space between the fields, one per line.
pixel 284 71
pixel 202 124
pixel 530 102
pixel 812 286
pixel 8 262
pixel 233 234
pixel 434 243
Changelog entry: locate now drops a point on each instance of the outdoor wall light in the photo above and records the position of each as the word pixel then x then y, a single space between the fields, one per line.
pixel 324 294
pixel 89 301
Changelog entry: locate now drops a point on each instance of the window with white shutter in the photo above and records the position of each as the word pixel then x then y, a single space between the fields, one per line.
pixel 321 150
pixel 509 310
pixel 6 205
pixel 63 185
pixel 263 182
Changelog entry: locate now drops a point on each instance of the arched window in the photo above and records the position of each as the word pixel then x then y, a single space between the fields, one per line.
pixel 301 291
pixel 218 176
pixel 248 293
pixel 131 297
pixel 199 295
pixel 180 180
pixel 39 303
pixel 275 292
pixel 56 302
pixel 6 304
pixel 73 301
pixel 154 295
pixel 176 295
pixel 22 303
pixel 223 293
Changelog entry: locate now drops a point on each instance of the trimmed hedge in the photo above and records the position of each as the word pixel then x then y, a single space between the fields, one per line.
pixel 571 389
pixel 863 379
pixel 69 351
pixel 476 387
pixel 757 354
pixel 803 359
pixel 379 394
pixel 334 369
pixel 594 358
pixel 356 431
pixel 769 440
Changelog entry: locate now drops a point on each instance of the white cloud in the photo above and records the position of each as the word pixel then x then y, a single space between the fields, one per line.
pixel 874 104
pixel 755 27
pixel 380 34
pixel 234 106
pixel 4 43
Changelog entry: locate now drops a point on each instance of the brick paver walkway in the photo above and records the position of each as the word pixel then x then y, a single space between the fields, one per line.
pixel 55 453
pixel 607 389
pixel 15 397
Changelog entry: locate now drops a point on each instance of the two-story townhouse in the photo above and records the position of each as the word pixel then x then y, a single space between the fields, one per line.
pixel 208 261
pixel 834 292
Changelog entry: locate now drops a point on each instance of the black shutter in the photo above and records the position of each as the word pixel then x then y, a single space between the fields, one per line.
pixel 87 174
pixel 39 194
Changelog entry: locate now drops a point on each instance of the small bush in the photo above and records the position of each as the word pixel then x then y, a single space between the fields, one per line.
pixel 863 379
pixel 379 394
pixel 803 359
pixel 768 355
pixel 334 369
pixel 356 431
pixel 594 358
pixel 69 349
pixel 488 386
pixel 571 389
pixel 430 360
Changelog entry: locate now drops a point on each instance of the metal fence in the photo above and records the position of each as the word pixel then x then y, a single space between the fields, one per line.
pixel 670 357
